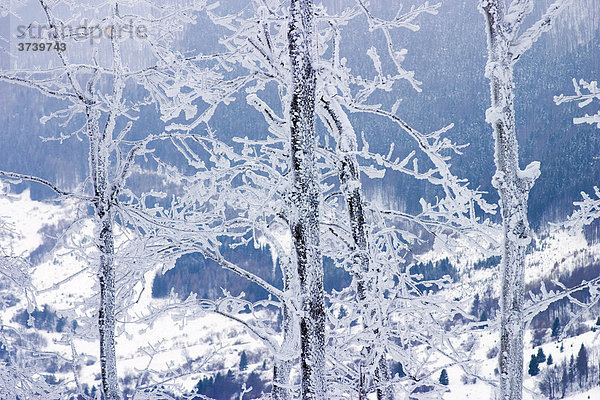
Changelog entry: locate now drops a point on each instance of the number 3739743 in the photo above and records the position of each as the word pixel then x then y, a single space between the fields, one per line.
pixel 35 46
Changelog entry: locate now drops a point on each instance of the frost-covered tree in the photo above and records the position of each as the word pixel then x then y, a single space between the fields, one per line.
pixel 366 223
pixel 14 270
pixel 588 209
pixel 96 82
pixel 505 46
pixel 300 210
pixel 20 374
pixel 373 243
pixel 305 197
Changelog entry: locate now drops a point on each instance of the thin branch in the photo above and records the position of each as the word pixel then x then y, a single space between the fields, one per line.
pixel 33 178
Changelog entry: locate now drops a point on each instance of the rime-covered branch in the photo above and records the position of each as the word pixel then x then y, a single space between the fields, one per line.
pixel 588 209
pixel 521 44
pixel 583 99
pixel 44 182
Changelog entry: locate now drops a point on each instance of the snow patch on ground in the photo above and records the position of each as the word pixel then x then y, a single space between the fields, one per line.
pixel 23 220
pixel 559 252
pixel 65 281
pixel 218 340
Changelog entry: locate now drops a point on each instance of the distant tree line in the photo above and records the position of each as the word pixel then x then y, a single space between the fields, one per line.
pixel 435 270
pixel 489 262
pixel 44 319
pixel 559 380
pixel 194 273
pixel 226 386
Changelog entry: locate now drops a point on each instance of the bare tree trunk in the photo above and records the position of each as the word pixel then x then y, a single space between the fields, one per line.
pixel 304 201
pixel 283 367
pixel 513 186
pixel 365 277
pixel 99 163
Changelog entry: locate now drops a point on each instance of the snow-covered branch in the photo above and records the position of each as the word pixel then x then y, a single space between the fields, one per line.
pixel 61 192
pixel 588 209
pixel 590 93
pixel 524 42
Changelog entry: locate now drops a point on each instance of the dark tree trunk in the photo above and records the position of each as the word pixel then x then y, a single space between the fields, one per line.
pixel 513 186
pixel 364 276
pixel 304 201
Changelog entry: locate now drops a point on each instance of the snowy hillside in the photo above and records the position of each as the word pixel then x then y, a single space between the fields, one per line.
pixel 214 343
pixel 211 342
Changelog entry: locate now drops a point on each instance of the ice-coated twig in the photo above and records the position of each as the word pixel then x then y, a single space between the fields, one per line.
pixel 588 209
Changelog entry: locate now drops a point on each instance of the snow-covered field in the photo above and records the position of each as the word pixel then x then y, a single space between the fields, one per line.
pixel 64 281
pixel 481 390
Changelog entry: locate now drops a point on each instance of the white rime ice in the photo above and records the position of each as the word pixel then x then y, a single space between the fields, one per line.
pixel 299 192
pixel 94 92
pixel 505 46
pixel 590 92
pixel 304 200
pixel 365 275
pixel 588 209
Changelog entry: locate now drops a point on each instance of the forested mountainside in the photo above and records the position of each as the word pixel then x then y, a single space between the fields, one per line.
pixel 448 54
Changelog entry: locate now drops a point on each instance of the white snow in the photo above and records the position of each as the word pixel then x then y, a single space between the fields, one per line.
pixel 177 340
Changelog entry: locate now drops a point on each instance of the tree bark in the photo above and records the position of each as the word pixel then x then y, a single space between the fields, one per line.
pixel 513 186
pixel 365 277
pixel 304 201
pixel 106 315
pixel 103 197
pixel 283 367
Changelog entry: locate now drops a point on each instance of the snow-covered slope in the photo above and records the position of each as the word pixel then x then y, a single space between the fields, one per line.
pixel 213 343
pixel 64 281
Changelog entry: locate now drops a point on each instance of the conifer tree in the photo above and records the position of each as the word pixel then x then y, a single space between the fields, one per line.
pixel 243 361
pixel 571 371
pixel 534 367
pixel 444 377
pixel 541 357
pixel 556 327
pixel 581 365
pixel 475 306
